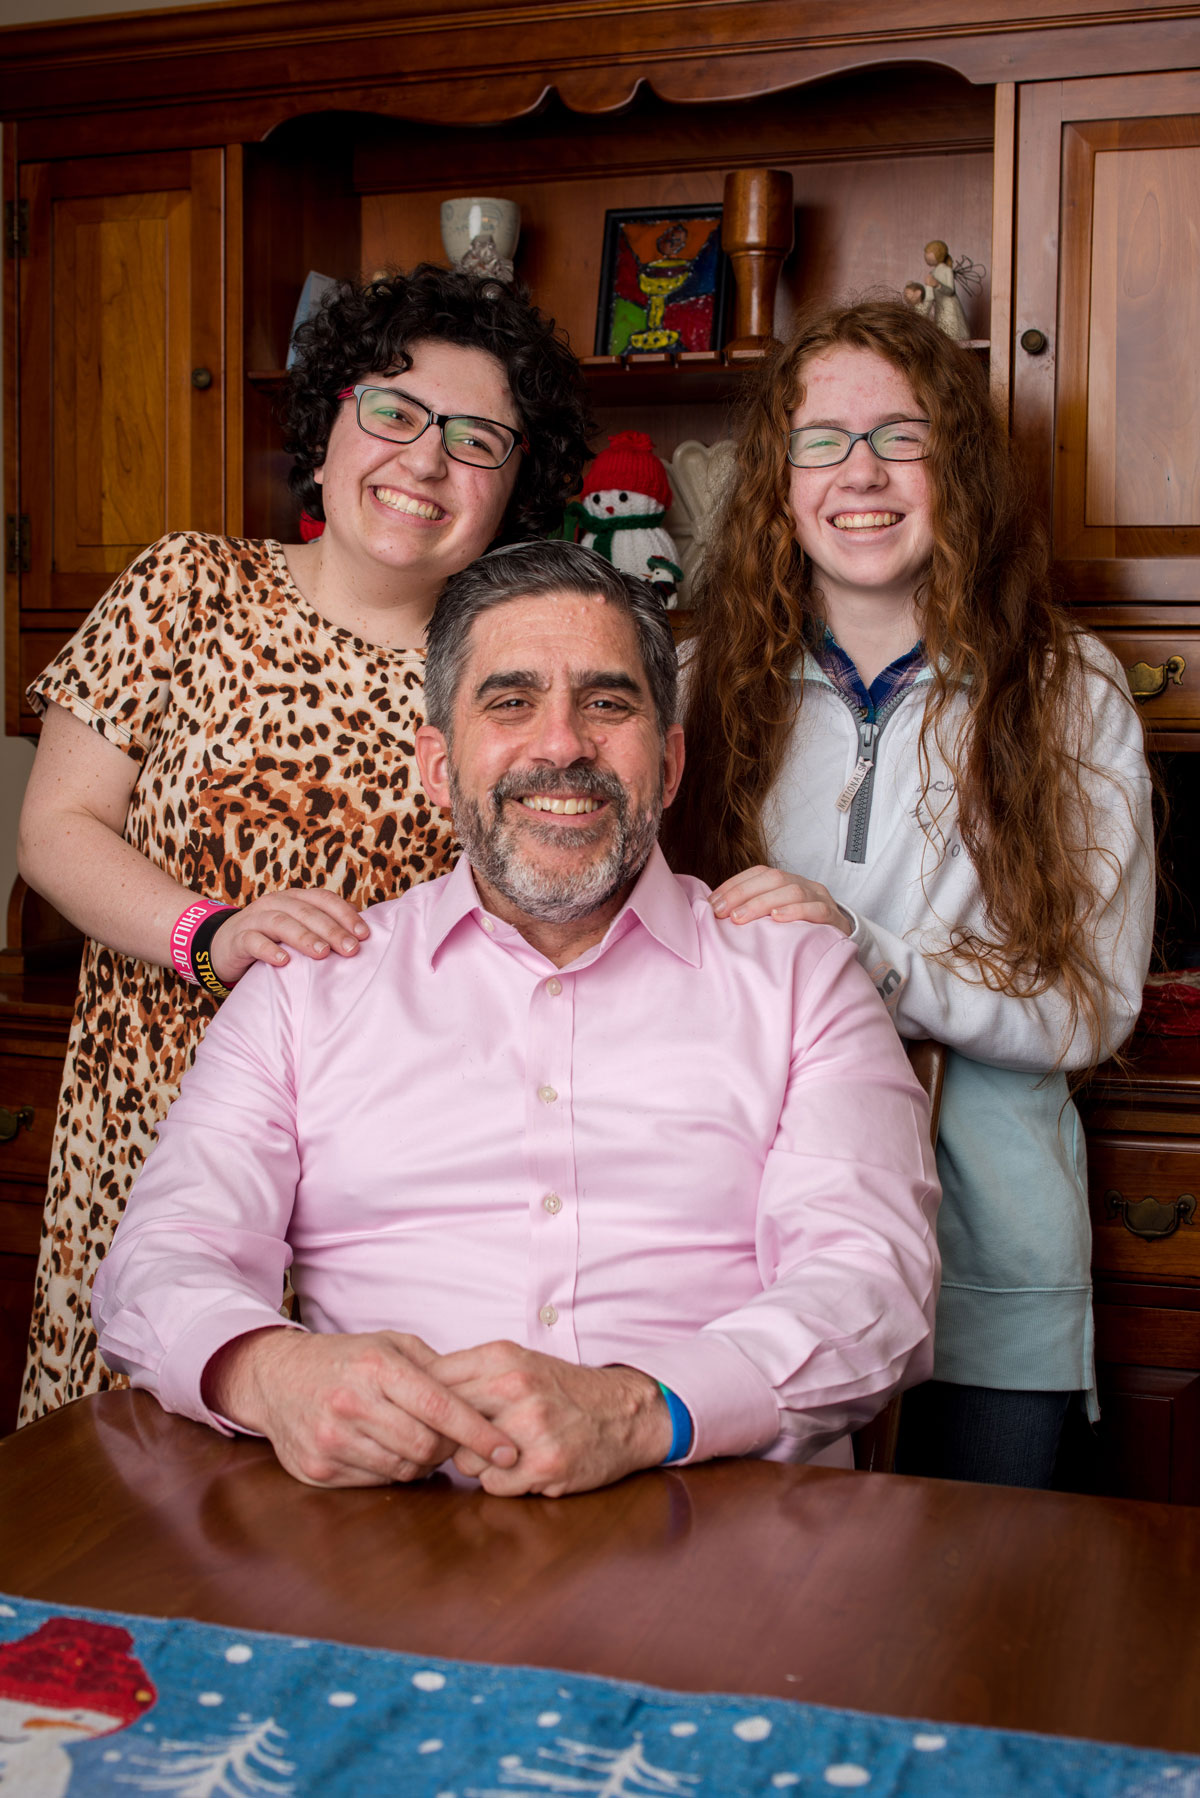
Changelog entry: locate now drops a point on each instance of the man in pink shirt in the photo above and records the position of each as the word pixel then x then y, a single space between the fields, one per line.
pixel 572 1178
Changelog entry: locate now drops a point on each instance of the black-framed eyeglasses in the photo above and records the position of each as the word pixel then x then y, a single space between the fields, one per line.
pixel 824 446
pixel 396 417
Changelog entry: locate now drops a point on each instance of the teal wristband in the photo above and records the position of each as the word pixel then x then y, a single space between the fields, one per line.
pixel 681 1425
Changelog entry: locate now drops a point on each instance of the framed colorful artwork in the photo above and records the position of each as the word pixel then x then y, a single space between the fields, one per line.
pixel 663 280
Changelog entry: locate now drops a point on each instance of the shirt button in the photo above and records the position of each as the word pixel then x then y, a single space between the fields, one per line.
pixel 488 926
pixel 552 1203
pixel 549 1316
pixel 554 988
pixel 547 1095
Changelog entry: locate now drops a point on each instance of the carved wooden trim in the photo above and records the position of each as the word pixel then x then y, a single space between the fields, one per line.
pixel 875 114
pixel 242 70
pixel 686 25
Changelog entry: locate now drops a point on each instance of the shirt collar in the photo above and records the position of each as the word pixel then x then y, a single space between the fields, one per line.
pixel 658 902
pixel 662 905
pixel 809 669
pixel 888 684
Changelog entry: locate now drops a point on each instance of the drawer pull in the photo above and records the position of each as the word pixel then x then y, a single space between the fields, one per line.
pixel 12 1121
pixel 1146 682
pixel 1148 1218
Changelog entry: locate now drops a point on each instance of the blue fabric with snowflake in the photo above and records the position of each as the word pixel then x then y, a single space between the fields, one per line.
pixel 201 1712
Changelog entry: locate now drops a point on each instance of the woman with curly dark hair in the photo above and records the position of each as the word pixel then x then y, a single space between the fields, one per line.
pixel 369 330
pixel 226 771
pixel 885 701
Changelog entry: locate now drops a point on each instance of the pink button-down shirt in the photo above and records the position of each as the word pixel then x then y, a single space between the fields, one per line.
pixel 698 1150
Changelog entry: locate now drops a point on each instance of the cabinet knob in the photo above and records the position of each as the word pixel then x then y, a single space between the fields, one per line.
pixel 12 1121
pixel 202 378
pixel 1033 342
pixel 1149 1218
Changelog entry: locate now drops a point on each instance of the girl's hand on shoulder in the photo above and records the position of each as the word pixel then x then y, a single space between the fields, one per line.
pixel 774 893
pixel 310 920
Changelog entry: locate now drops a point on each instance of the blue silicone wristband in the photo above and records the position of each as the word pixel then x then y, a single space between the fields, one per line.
pixel 681 1425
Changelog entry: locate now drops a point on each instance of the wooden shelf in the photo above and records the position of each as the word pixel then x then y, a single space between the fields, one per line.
pixel 649 380
pixel 663 380
pixel 691 377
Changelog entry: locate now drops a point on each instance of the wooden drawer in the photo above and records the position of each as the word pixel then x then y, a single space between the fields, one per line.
pixel 16 1297
pixel 32 1083
pixel 1149 1436
pixel 1134 1170
pixel 1167 660
pixel 21 1210
pixel 1146 1335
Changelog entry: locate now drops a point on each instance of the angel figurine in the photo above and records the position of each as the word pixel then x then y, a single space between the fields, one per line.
pixel 945 279
pixel 947 307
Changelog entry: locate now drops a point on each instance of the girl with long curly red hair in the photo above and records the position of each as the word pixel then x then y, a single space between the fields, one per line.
pixel 892 729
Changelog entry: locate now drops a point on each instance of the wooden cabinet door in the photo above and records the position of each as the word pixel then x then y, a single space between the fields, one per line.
pixel 1108 271
pixel 122 375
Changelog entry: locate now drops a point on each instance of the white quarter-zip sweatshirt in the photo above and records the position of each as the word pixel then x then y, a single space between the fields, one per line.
pixel 1015 1310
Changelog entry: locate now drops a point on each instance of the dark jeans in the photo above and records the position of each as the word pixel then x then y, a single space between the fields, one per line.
pixel 979 1433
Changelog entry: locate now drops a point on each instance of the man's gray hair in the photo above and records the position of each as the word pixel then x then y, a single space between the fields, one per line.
pixel 529 571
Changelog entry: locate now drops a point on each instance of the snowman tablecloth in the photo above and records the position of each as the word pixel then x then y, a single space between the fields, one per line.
pixel 96 1703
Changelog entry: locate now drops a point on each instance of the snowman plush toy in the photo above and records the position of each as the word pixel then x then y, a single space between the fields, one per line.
pixel 619 512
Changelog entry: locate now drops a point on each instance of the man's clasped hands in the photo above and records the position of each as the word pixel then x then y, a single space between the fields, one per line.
pixel 368 1409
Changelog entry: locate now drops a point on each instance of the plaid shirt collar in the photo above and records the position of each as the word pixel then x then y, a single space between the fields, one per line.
pixel 836 665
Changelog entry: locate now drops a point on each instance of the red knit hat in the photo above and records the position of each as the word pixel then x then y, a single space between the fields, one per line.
pixel 629 464
pixel 72 1664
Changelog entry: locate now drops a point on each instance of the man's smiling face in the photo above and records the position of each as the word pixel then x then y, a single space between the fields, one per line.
pixel 556 771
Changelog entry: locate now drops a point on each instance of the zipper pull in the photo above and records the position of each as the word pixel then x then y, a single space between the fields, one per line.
pixel 846 797
pixel 868 737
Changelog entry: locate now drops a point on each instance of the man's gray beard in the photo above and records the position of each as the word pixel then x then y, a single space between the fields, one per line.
pixel 574 893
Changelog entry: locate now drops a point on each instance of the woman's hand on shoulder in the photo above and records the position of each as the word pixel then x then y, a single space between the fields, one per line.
pixel 774 893
pixel 310 920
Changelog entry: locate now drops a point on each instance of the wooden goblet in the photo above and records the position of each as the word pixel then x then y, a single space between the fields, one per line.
pixel 757 232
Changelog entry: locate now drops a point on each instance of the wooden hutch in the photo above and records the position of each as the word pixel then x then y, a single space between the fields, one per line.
pixel 169 180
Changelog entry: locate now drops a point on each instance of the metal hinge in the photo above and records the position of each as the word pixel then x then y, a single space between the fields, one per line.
pixel 18 544
pixel 16 228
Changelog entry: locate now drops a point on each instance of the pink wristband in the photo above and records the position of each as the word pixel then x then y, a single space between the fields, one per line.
pixel 185 928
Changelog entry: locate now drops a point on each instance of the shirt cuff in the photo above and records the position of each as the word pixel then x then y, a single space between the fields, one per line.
pixel 888 980
pixel 734 1409
pixel 182 1371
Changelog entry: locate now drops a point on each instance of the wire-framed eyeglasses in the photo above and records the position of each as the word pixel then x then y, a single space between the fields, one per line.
pixel 396 417
pixel 824 446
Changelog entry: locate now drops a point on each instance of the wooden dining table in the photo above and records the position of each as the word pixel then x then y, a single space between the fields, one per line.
pixel 1039 1611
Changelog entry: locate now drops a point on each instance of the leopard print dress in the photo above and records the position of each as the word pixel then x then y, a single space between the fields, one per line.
pixel 273 750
